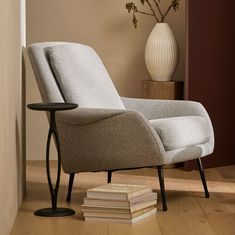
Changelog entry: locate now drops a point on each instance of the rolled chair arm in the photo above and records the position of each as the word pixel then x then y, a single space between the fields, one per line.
pixel 84 116
pixel 108 139
pixel 155 109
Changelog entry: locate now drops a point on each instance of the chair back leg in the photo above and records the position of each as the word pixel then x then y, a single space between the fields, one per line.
pixel 161 182
pixel 71 179
pixel 162 187
pixel 110 176
pixel 203 178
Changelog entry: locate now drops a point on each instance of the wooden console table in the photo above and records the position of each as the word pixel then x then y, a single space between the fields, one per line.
pixel 172 90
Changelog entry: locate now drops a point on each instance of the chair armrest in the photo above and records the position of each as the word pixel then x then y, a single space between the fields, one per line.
pixel 84 116
pixel 155 109
pixel 124 136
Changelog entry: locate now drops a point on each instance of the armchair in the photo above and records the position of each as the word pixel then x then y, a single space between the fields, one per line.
pixel 108 132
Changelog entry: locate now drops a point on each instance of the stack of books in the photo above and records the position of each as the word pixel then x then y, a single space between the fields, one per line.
pixel 120 203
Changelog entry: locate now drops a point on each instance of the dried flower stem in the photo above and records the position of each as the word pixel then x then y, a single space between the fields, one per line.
pixel 154 14
pixel 159 10
pixel 167 11
pixel 131 7
pixel 145 13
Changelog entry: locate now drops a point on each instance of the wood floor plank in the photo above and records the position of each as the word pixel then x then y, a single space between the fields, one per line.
pixel 184 215
pixel 220 208
pixel 228 172
pixel 223 224
pixel 148 226
pixel 188 211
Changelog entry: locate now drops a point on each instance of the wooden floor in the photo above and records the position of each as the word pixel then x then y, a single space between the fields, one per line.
pixel 188 211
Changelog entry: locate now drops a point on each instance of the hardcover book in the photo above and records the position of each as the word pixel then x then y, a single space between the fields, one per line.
pixel 118 220
pixel 117 214
pixel 118 191
pixel 128 209
pixel 121 203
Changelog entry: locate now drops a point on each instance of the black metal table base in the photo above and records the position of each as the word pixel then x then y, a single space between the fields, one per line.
pixel 54 211
pixel 58 212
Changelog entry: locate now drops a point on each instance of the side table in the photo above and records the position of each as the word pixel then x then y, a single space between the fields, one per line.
pixel 172 90
pixel 54 211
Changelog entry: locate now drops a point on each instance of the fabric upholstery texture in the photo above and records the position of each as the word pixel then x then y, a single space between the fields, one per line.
pixel 82 77
pixel 107 132
pixel 115 140
pixel 157 109
pixel 38 54
pixel 180 132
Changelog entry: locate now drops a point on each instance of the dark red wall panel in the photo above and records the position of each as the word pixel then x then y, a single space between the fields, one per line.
pixel 211 70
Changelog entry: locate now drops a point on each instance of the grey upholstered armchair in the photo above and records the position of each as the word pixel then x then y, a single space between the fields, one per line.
pixel 107 132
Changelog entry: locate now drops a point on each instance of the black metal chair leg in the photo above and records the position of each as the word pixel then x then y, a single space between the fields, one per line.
pixel 203 178
pixel 162 186
pixel 71 179
pixel 109 176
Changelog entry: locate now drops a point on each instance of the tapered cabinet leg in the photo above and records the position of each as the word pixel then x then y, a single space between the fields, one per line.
pixel 162 186
pixel 71 179
pixel 203 178
pixel 109 176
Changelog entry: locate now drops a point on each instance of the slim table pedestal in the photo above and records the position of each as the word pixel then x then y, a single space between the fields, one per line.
pixel 54 211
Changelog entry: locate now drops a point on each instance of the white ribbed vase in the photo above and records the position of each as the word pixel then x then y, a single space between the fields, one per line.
pixel 161 53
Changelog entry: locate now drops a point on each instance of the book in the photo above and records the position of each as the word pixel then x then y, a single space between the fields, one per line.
pixel 86 207
pixel 118 220
pixel 118 191
pixel 121 203
pixel 121 215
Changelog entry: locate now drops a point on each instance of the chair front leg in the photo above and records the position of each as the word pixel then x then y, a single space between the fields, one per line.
pixel 71 179
pixel 203 178
pixel 162 186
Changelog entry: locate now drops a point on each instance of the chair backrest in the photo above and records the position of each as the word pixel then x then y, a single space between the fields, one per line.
pixel 72 72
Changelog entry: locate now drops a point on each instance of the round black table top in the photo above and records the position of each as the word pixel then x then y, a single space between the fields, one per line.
pixel 52 106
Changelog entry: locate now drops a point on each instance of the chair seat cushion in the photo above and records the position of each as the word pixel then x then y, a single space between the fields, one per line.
pixel 180 132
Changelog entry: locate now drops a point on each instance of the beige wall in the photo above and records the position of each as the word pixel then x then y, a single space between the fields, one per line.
pixel 106 26
pixel 11 162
